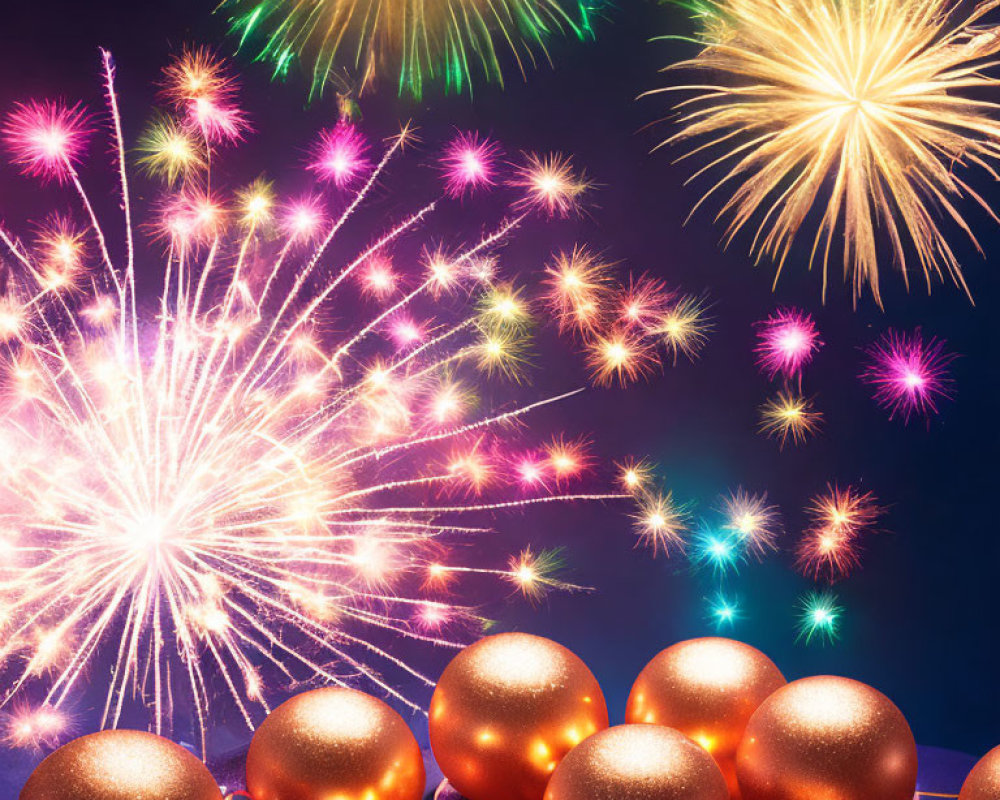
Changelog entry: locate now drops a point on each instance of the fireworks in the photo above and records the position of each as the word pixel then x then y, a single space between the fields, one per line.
pixel 410 43
pixel 839 518
pixel 819 617
pixel 754 522
pixel 470 163
pixel 789 416
pixel 223 490
pixel 910 375
pixel 861 109
pixel 721 551
pixel 623 327
pixel 724 611
pixel 786 341
pixel 661 523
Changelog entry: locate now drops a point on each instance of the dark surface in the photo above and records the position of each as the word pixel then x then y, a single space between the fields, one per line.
pixel 920 620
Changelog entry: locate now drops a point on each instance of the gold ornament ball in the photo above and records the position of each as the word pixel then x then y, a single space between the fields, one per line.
pixel 707 689
pixel 637 762
pixel 334 743
pixel 983 782
pixel 827 737
pixel 121 765
pixel 506 711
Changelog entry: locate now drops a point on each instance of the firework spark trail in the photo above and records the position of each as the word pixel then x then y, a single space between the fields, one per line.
pixel 221 494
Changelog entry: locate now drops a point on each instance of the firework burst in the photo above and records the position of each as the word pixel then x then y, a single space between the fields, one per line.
pixel 410 43
pixel 859 112
pixel 789 417
pixel 830 547
pixel 786 342
pixel 218 491
pixel 662 523
pixel 909 374
pixel 755 522
pixel 819 617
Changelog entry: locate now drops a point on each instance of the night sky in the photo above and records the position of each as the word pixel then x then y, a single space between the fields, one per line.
pixel 919 617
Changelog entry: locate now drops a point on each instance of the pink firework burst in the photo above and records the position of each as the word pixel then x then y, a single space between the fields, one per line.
pixel 339 155
pixel 469 163
pixel 786 341
pixel 910 374
pixel 47 139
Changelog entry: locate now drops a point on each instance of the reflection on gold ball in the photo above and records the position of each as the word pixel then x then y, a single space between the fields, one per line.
pixel 983 782
pixel 707 689
pixel 506 711
pixel 637 762
pixel 121 765
pixel 827 737
pixel 334 743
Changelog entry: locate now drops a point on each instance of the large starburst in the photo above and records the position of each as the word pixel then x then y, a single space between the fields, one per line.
pixel 856 116
pixel 254 479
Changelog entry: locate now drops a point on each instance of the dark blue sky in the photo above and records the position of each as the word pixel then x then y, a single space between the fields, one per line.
pixel 920 617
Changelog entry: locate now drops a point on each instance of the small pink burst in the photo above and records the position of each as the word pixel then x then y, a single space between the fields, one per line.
pixel 405 332
pixel 432 616
pixel 339 155
pixel 378 278
pixel 47 138
pixel 302 219
pixel 34 728
pixel 786 341
pixel 220 121
pixel 910 375
pixel 469 163
pixel 531 471
pixel 190 218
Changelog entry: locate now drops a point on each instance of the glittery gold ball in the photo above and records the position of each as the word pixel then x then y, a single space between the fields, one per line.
pixel 983 782
pixel 506 711
pixel 827 737
pixel 707 689
pixel 334 743
pixel 637 762
pixel 121 765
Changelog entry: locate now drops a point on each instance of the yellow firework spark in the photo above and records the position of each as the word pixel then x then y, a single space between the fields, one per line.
pixel 789 416
pixel 857 111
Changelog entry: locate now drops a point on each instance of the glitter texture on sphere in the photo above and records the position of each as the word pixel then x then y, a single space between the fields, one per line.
pixel 507 710
pixel 983 782
pixel 637 762
pixel 827 737
pixel 334 743
pixel 121 765
pixel 707 689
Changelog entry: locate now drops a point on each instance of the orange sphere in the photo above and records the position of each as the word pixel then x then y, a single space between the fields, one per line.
pixel 334 743
pixel 121 765
pixel 505 712
pixel 707 689
pixel 637 762
pixel 983 782
pixel 827 737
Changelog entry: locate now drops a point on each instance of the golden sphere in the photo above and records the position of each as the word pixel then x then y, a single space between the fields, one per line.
pixel 707 689
pixel 983 782
pixel 506 711
pixel 637 762
pixel 121 765
pixel 827 737
pixel 334 743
